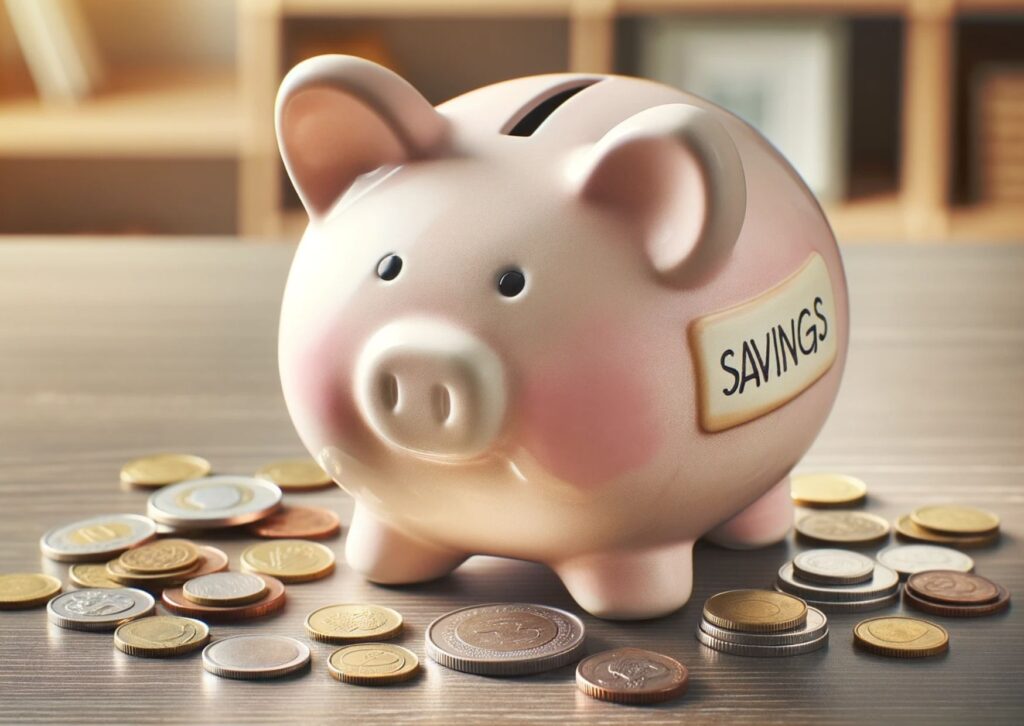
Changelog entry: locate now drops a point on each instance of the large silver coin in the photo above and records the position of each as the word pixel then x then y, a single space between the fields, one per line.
pixel 912 558
pixel 216 501
pixel 97 538
pixel 505 639
pixel 854 606
pixel 815 626
pixel 255 657
pixel 761 651
pixel 883 582
pixel 833 567
pixel 99 609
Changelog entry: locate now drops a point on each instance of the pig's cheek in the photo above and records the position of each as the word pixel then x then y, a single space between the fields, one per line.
pixel 588 425
pixel 325 387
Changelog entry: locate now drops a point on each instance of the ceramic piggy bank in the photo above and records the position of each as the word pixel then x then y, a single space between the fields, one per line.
pixel 577 319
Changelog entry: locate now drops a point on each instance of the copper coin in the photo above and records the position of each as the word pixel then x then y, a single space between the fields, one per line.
pixel 298 523
pixel 952 587
pixel 632 675
pixel 214 560
pixel 175 601
pixel 1001 602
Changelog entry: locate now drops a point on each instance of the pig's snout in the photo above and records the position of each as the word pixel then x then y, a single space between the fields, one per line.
pixel 431 388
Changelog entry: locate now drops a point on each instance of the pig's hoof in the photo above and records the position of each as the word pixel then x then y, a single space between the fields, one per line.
pixel 384 555
pixel 764 522
pixel 631 585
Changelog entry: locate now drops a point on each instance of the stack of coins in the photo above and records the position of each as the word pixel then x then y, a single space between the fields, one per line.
pixel 949 524
pixel 837 580
pixel 761 623
pixel 160 564
pixel 955 594
pixel 226 596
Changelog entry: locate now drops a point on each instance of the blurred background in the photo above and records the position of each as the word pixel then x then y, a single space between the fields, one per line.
pixel 154 117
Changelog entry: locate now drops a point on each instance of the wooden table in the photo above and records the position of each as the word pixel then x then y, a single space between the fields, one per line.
pixel 112 350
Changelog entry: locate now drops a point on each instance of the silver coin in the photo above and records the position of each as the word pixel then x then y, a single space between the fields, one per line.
pixel 216 501
pixel 855 606
pixel 913 558
pixel 228 587
pixel 99 609
pixel 97 538
pixel 255 657
pixel 833 567
pixel 814 627
pixel 761 651
pixel 505 639
pixel 883 582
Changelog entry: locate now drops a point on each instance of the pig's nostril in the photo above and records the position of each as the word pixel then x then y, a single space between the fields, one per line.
pixel 441 398
pixel 389 391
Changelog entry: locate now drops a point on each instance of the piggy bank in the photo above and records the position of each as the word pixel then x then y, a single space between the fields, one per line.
pixel 581 320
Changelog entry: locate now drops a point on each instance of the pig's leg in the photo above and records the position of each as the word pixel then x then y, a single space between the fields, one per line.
pixel 631 585
pixel 383 554
pixel 764 522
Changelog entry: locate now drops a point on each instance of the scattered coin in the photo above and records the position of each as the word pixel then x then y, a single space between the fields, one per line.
pixel 952 587
pixel 296 475
pixel 26 590
pixel 174 600
pixel 815 626
pixel 98 609
pixel 289 560
pixel 827 490
pixel 162 556
pixel 1000 603
pixel 353 622
pixel 161 636
pixel 955 519
pixel 755 611
pixel 255 657
pixel 843 527
pixel 901 637
pixel 883 582
pixel 224 589
pixel 833 567
pixel 91 574
pixel 161 469
pixel 632 675
pixel 373 664
pixel 214 502
pixel 906 528
pixel 506 639
pixel 909 559
pixel 96 538
pixel 298 523
pixel 761 651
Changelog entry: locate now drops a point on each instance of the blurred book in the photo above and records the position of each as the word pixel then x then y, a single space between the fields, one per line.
pixel 59 51
pixel 998 142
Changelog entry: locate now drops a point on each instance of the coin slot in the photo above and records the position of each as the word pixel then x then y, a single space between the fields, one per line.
pixel 532 118
pixel 389 391
pixel 441 399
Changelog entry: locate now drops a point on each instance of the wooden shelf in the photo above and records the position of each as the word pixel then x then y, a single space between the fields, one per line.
pixel 426 8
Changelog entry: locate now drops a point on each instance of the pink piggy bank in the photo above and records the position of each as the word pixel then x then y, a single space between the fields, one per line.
pixel 576 319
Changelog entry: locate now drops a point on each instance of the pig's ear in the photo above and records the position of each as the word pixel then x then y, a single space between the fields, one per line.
pixel 338 117
pixel 675 171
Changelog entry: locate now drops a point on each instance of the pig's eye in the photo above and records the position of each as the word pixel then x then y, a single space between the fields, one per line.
pixel 511 282
pixel 389 267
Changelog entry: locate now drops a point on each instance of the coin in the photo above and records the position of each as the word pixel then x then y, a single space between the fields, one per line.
pixel 214 560
pixel 161 636
pixel 901 637
pixel 632 675
pixel 348 622
pixel 223 589
pixel 96 538
pixel 843 527
pixel 908 559
pixel 296 475
pixel 815 626
pixel 161 469
pixel 372 664
pixel 883 582
pixel 906 527
pixel 833 567
pixel 854 606
pixel 99 609
pixel 1001 602
pixel 255 657
pixel 174 600
pixel 166 555
pixel 91 574
pixel 217 501
pixel 826 490
pixel 26 590
pixel 955 519
pixel 289 560
pixel 505 639
pixel 755 611
pixel 761 651
pixel 952 587
pixel 298 523
pixel 118 572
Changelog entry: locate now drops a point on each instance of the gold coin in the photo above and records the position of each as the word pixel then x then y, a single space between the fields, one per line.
pixel 371 664
pixel 955 519
pixel 91 574
pixel 161 469
pixel 27 590
pixel 289 560
pixel 901 637
pixel 755 611
pixel 116 571
pixel 352 622
pixel 906 527
pixel 162 556
pixel 827 490
pixel 161 636
pixel 296 474
pixel 844 527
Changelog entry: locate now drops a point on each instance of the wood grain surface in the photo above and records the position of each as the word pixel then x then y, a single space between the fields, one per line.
pixel 109 350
